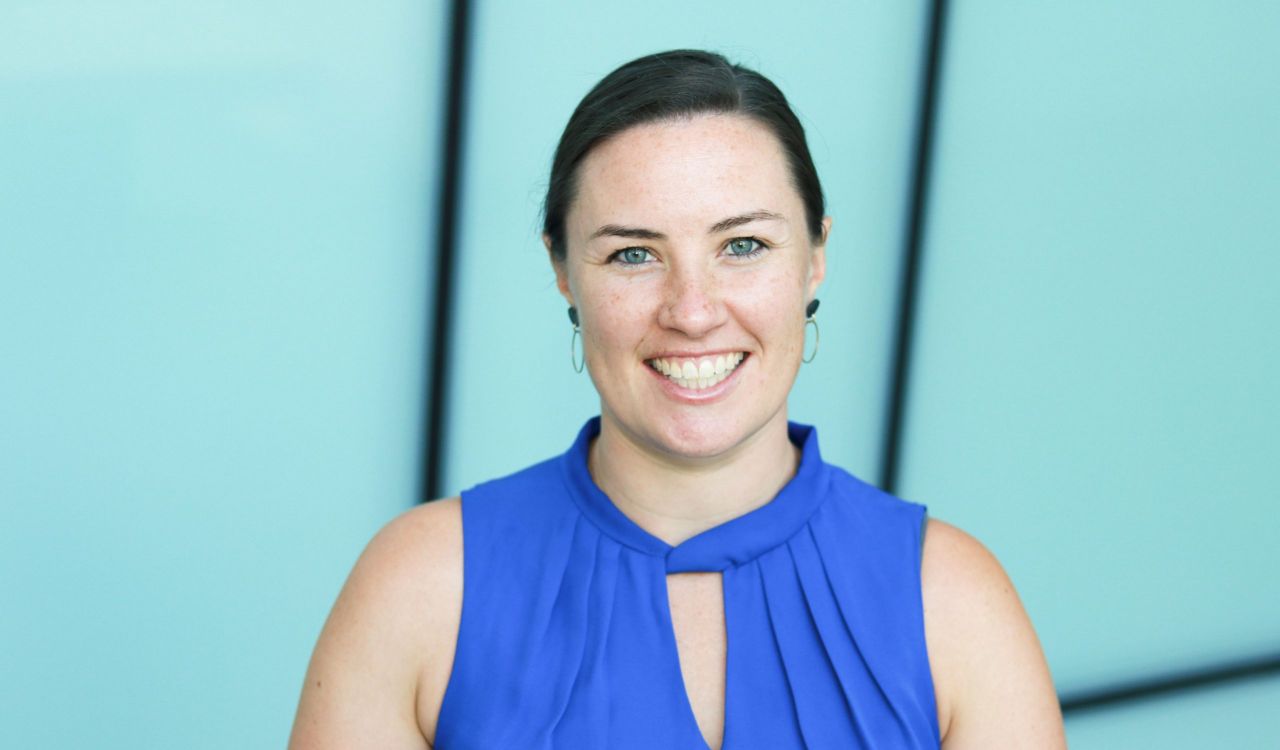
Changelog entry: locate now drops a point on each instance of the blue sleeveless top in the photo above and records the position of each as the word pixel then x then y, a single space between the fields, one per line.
pixel 566 638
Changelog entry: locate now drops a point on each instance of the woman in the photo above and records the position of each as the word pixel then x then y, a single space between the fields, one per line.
pixel 690 574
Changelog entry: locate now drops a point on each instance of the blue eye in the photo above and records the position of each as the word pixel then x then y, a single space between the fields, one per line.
pixel 745 247
pixel 632 256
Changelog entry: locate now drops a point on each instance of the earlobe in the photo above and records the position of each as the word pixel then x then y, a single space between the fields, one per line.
pixel 818 259
pixel 818 263
pixel 558 265
pixel 562 281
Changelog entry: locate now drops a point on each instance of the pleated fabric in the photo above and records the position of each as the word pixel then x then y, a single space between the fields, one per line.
pixel 566 639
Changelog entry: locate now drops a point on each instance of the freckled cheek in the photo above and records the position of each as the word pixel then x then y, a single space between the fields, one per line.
pixel 773 312
pixel 619 326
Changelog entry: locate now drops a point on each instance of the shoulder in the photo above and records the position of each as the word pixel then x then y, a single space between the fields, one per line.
pixel 407 574
pixel 415 569
pixel 992 683
pixel 387 646
pixel 413 563
pixel 956 565
pixel 437 523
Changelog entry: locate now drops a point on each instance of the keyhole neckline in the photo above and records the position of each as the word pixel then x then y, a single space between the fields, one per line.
pixel 731 543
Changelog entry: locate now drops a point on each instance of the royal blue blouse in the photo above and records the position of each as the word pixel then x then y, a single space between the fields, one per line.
pixel 566 638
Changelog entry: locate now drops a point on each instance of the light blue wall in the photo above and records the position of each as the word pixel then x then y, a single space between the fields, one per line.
pixel 213 277
pixel 851 73
pixel 1236 715
pixel 1094 392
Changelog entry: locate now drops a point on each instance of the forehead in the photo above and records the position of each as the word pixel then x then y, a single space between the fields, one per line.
pixel 686 170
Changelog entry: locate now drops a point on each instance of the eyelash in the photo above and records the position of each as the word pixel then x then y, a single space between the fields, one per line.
pixel 761 247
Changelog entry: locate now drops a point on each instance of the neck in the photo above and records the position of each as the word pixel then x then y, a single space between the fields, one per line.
pixel 675 498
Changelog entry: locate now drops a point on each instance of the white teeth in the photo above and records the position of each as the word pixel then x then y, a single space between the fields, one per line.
pixel 696 375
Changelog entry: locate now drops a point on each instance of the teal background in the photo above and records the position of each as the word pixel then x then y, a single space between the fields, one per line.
pixel 1094 393
pixel 217 228
pixel 213 271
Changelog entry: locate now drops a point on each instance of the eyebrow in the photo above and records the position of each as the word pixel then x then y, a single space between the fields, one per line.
pixel 615 230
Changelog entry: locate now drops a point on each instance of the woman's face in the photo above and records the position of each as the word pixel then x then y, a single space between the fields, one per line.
pixel 687 251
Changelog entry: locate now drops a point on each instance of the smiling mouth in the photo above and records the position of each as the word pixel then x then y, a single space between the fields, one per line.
pixel 697 374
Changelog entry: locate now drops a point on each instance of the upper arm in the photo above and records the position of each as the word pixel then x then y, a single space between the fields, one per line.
pixel 992 682
pixel 389 628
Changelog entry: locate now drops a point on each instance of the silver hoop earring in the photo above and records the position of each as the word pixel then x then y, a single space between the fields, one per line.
pixel 573 343
pixel 817 336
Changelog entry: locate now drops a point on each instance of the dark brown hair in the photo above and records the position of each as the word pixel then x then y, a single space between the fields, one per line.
pixel 670 85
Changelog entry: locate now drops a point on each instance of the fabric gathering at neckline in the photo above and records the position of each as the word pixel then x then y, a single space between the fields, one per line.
pixel 732 543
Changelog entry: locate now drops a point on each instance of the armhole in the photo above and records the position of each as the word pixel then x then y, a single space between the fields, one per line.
pixel 924 526
pixel 929 699
pixel 444 715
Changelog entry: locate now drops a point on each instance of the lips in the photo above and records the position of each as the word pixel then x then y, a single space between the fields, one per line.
pixel 698 373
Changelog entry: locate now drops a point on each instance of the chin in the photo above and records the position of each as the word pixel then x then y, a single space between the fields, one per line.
pixel 700 436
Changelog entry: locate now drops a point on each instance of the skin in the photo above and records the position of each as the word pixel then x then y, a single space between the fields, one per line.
pixel 679 468
pixel 676 468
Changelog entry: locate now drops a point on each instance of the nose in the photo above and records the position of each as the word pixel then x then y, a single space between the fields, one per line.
pixel 691 302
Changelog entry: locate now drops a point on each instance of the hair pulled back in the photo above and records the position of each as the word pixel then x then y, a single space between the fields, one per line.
pixel 667 86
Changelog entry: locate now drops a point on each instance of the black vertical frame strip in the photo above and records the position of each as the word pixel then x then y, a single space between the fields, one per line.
pixel 913 249
pixel 447 219
pixel 1261 666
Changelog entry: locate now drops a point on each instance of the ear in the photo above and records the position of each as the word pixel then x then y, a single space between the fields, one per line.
pixel 818 260
pixel 562 272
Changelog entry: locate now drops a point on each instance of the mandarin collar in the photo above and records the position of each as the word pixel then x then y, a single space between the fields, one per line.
pixel 732 543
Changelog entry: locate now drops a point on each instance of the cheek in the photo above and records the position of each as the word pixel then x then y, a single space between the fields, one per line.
pixel 620 317
pixel 776 298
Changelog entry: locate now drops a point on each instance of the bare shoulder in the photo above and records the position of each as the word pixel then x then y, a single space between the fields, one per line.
pixel 387 647
pixel 428 536
pixel 410 575
pixel 992 682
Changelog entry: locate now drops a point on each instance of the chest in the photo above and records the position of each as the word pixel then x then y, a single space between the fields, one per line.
pixel 570 639
pixel 697 618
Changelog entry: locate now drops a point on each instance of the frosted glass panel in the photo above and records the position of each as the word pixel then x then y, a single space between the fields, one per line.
pixel 213 275
pixel 1095 386
pixel 849 70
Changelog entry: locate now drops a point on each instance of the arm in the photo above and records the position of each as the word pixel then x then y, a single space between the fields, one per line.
pixel 386 650
pixel 992 682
